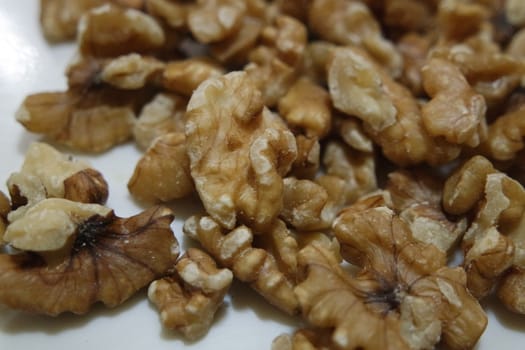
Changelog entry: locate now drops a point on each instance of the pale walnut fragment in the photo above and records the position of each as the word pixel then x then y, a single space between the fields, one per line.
pixel 238 150
pixel 132 71
pixel 107 259
pixel 185 76
pixel 47 173
pixel 164 114
pixel 505 136
pixel 162 174
pixel 188 299
pixel 403 297
pixel 234 249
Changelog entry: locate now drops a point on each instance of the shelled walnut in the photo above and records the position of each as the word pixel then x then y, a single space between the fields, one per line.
pixel 106 258
pixel 189 299
pixel 47 173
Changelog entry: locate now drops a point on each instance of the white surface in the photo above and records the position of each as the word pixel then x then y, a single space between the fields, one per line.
pixel 28 64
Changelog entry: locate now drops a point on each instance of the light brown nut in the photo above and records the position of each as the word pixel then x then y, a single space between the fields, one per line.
pixel 59 18
pixel 132 71
pixel 230 138
pixel 188 300
pixel 110 31
pixel 163 172
pixel 352 23
pixel 234 249
pixel 353 134
pixel 414 48
pixel 306 205
pixel 416 197
pixel 304 339
pixel 355 168
pixel 162 115
pixel 185 76
pixel 515 12
pixel 91 121
pixel 505 136
pixel 315 62
pixel 455 111
pixel 404 297
pixel 275 64
pixel 110 259
pixel 512 289
pixel 49 224
pixel 307 107
pixel 306 165
pixel 356 88
pixel 214 20
pixel 460 19
pixel 464 188
pixel 409 15
pixel 47 173
pixel 174 13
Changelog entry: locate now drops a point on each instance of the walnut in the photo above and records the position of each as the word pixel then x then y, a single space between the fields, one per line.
pixel 304 339
pixel 414 48
pixel 408 15
pixel 505 136
pixel 275 64
pixel 91 121
pixel 230 138
pixel 132 71
pixel 352 23
pixel 162 115
pixel 307 107
pixel 353 133
pixel 215 20
pixel 455 111
pixel 185 76
pixel 174 13
pixel 256 266
pixel 355 168
pixel 460 19
pixel 110 31
pixel 464 188
pixel 163 172
pixel 515 12
pixel 189 299
pixel 403 297
pixel 47 173
pixel 108 260
pixel 306 205
pixel 315 62
pixel 416 197
pixel 306 165
pixel 56 221
pixel 59 18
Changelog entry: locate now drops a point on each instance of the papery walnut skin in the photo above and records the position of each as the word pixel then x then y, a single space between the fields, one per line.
pixel 256 266
pixel 189 299
pixel 162 174
pixel 230 138
pixel 110 259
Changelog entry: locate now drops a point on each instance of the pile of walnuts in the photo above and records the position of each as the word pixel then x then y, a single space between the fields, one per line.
pixel 343 151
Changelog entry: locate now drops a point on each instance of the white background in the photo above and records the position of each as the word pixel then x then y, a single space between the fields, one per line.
pixel 27 65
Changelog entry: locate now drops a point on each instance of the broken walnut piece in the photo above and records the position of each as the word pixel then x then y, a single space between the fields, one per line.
pixel 234 249
pixel 455 111
pixel 458 20
pixel 351 23
pixel 92 121
pixel 5 208
pixel 59 18
pixel 188 299
pixel 110 258
pixel 185 76
pixel 132 71
pixel 505 136
pixel 238 150
pixel 403 297
pixel 162 174
pixel 307 107
pixel 306 165
pixel 304 339
pixel 110 31
pixel 48 173
pixel 162 115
